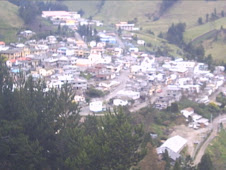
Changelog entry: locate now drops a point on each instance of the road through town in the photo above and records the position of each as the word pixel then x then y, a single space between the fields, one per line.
pixel 122 79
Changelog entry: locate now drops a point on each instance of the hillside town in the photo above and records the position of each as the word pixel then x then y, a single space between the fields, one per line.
pixel 113 70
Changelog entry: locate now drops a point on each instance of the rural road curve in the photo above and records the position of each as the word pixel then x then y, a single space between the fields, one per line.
pixel 216 122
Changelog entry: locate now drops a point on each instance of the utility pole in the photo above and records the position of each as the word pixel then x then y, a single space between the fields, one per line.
pixel 212 120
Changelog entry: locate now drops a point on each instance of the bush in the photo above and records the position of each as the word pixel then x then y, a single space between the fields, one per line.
pixel 93 93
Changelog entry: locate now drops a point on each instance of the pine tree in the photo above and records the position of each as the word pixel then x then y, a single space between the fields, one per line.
pixel 206 163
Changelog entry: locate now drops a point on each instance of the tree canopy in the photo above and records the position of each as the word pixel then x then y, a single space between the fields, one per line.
pixel 42 130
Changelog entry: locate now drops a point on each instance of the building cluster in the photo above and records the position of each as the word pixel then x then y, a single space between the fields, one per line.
pixel 113 64
pixel 70 19
pixel 126 26
pixel 195 120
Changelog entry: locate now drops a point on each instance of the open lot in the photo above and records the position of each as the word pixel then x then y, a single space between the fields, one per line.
pixel 193 136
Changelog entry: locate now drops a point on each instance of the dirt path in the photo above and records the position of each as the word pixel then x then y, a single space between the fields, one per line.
pixel 203 35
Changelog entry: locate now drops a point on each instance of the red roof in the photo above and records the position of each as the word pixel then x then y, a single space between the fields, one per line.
pixel 2 43
pixel 189 109
pixel 12 60
pixel 23 59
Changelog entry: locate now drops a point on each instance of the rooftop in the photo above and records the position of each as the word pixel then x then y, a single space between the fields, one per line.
pixel 175 143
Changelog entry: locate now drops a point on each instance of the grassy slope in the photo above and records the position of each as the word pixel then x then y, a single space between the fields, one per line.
pixel 218 51
pixel 185 11
pixel 127 10
pixel 158 42
pixel 10 22
pixel 199 30
pixel 205 35
pixel 115 11
pixel 90 7
pixel 216 47
pixel 217 150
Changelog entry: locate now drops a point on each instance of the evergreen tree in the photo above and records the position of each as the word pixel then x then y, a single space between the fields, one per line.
pixel 200 21
pixel 207 17
pixel 166 158
pixel 81 12
pixel 119 31
pixel 206 163
pixel 175 34
pixel 177 165
pixel 222 13
pixel 40 130
pixel 120 141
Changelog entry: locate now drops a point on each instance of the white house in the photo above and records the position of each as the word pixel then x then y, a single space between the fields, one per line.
pixel 174 146
pixel 118 51
pixel 78 98
pixel 96 106
pixel 95 58
pixel 201 68
pixel 196 117
pixel 181 64
pixel 106 60
pixel 55 84
pixel 203 121
pixel 65 51
pixel 125 26
pixel 119 102
pixel 140 42
pixel 83 62
pixel 27 33
pixel 60 14
pixel 135 69
pixel 131 94
pixel 134 49
pixel 147 64
pixel 51 39
pixel 92 44
pixel 109 85
pixel 187 112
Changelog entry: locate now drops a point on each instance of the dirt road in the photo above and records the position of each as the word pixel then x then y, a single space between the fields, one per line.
pixel 192 136
pixel 213 134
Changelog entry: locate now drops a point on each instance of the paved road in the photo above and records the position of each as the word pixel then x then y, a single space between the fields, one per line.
pixel 213 134
pixel 214 95
pixel 124 76
pixel 120 43
pixel 79 38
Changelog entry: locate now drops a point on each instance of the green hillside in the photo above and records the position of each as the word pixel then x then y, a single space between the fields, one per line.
pixel 197 31
pixel 187 12
pixel 212 36
pixel 215 44
pixel 10 22
pixel 217 151
pixel 115 11
pixel 111 12
pixel 144 11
